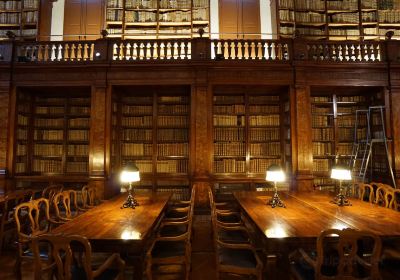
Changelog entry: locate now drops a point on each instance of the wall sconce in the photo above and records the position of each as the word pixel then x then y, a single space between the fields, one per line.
pixel 130 173
pixel 275 174
pixel 340 172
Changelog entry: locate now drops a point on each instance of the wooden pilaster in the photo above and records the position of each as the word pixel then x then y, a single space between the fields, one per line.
pixel 395 105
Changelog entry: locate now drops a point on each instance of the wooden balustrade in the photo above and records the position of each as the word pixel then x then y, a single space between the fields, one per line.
pixel 152 50
pixel 55 51
pixel 250 49
pixel 203 49
pixel 345 51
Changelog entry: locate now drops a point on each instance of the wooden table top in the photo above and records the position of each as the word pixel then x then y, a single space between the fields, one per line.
pixel 16 192
pixel 108 222
pixel 307 214
pixel 361 215
pixel 297 220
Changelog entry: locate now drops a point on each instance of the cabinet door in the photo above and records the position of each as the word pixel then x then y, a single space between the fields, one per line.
pixel 238 18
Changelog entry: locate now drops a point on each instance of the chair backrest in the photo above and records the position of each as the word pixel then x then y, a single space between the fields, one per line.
pixel 66 205
pixel 88 196
pixel 50 191
pixel 382 194
pixel 364 192
pixel 61 248
pixel 32 218
pixel 340 254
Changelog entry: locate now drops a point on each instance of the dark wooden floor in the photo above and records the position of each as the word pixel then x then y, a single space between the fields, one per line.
pixel 203 258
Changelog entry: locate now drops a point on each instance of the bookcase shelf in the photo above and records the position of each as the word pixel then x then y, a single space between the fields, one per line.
pixel 51 139
pixel 248 131
pixel 151 126
pixel 333 122
pixel 157 19
pixel 21 17
pixel 338 20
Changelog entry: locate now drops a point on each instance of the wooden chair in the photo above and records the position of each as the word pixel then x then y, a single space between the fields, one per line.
pixel 223 216
pixel 7 207
pixel 66 205
pixel 383 194
pixel 63 263
pixel 89 197
pixel 341 254
pixel 171 250
pixel 50 191
pixel 364 192
pixel 32 219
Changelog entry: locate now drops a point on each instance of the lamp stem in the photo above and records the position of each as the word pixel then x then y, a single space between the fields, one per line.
pixel 130 202
pixel 341 198
pixel 276 201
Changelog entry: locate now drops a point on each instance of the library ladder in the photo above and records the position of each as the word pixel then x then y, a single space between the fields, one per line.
pixel 363 144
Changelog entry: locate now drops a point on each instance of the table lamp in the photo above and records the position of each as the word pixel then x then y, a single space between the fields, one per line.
pixel 130 174
pixel 340 172
pixel 275 174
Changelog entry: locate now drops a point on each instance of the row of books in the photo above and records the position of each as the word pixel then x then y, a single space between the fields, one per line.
pixel 389 16
pixel 79 122
pixel 286 15
pixel 287 4
pixel 20 167
pixel 344 32
pixel 200 14
pixel 321 165
pixel 180 16
pixel 22 134
pixel 177 193
pixel 137 134
pixel 137 110
pixel 309 5
pixel 270 120
pixel 175 149
pixel 48 150
pixel 344 148
pixel 31 4
pixel 348 109
pixel 140 16
pixel 322 182
pixel 136 149
pixel 354 98
pixel 318 120
pixel 347 134
pixel 229 109
pixel 77 167
pixel 369 16
pixel 46 166
pixel 173 99
pixel 228 99
pixel 114 15
pixel 178 121
pixel 172 166
pixel 49 110
pixel 175 4
pixel 311 31
pixel 350 120
pixel 79 110
pixel 221 120
pixel 310 17
pixel 22 120
pixel 341 5
pixel 286 30
pixel 10 18
pixel 322 148
pixel 264 134
pixel 266 109
pixel 388 4
pixel 21 150
pixel 344 18
pixel 261 165
pixel 322 134
pixel 78 150
pixel 78 135
pixel 116 3
pixel 138 121
pixel 321 99
pixel 145 166
pixel 49 135
pixel 230 149
pixel 229 166
pixel 30 17
pixel 265 149
pixel 58 122
pixel 228 134
pixel 171 110
pixel 263 99
pixel 172 134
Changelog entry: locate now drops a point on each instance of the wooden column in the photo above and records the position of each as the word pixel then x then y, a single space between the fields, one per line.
pixel 302 139
pixel 7 119
pixel 395 107
pixel 200 138
pixel 97 144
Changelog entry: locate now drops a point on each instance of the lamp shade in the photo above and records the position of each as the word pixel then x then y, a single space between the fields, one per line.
pixel 130 173
pixel 275 174
pixel 340 172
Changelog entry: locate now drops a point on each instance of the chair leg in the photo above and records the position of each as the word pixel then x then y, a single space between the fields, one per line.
pixel 149 274
pixel 17 267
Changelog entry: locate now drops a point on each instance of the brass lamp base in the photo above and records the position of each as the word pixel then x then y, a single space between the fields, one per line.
pixel 130 202
pixel 276 200
pixel 341 198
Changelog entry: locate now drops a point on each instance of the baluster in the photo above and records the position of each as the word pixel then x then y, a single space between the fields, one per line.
pixel 66 52
pixel 79 52
pixel 162 48
pixel 46 53
pixel 149 51
pixel 230 49
pixel 267 50
pixel 280 51
pixel 122 50
pixel 371 53
pixel 239 53
pixel 246 50
pixel 91 53
pixel 353 56
pixel 40 53
pixel 169 50
pixel 259 51
pixel 273 51
pixel 128 51
pixel 156 48
pixel 377 52
pixel 215 48
pixel 53 52
pixel 135 52
pixel 286 52
pixel 243 49
pixel 85 52
pixel 225 50
pixel 140 47
pixel 364 52
pixel 181 53
pixel 332 52
pixel 116 51
pixel 72 56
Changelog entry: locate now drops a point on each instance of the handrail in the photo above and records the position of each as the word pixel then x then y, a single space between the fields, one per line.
pixel 198 49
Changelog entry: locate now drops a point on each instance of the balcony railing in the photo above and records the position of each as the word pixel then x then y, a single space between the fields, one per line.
pixel 200 49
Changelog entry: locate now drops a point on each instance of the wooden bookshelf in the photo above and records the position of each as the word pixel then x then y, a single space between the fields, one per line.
pixel 338 20
pixel 145 19
pixel 21 17
pixel 248 132
pixel 52 134
pixel 151 127
pixel 333 122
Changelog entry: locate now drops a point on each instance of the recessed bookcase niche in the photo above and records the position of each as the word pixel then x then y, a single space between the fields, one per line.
pixel 333 125
pixel 250 131
pixel 52 131
pixel 151 127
